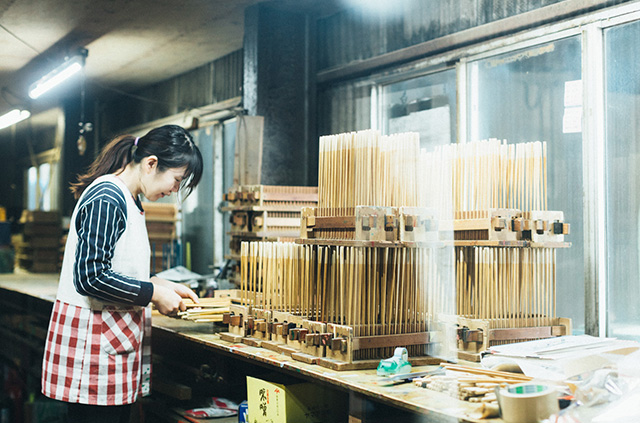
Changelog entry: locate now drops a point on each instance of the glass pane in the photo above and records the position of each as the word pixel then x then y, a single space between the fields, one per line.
pixel 44 174
pixel 32 188
pixel 426 105
pixel 228 153
pixel 622 53
pixel 198 208
pixel 534 95
pixel 344 108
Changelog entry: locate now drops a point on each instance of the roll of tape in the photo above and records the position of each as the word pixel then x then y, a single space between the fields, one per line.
pixel 527 402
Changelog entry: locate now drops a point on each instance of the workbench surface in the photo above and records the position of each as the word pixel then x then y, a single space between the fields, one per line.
pixel 434 406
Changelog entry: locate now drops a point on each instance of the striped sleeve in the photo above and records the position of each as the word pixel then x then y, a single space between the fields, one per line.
pixel 100 221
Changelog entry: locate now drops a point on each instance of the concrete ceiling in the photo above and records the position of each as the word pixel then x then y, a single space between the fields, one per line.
pixel 131 43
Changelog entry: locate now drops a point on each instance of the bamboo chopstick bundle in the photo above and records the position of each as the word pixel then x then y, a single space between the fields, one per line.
pixel 513 287
pixel 206 310
pixel 365 168
pixel 377 291
pixel 488 174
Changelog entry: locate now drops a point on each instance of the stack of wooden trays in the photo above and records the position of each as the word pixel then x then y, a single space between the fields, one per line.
pixel 161 221
pixel 38 246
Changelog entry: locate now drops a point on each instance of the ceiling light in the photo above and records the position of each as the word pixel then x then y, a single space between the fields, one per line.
pixel 63 72
pixel 13 117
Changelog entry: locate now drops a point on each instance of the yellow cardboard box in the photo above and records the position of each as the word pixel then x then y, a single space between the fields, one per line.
pixel 297 402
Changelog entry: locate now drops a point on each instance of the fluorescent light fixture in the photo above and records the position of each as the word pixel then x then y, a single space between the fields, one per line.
pixel 60 74
pixel 13 117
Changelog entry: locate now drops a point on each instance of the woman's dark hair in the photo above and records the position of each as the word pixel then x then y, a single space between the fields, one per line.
pixel 171 144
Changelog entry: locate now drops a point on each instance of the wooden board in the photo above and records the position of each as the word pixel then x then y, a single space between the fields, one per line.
pixel 253 342
pixel 305 358
pixel 272 346
pixel 287 350
pixel 230 337
pixel 338 365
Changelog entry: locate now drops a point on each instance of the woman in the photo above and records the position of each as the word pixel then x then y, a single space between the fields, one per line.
pixel 97 354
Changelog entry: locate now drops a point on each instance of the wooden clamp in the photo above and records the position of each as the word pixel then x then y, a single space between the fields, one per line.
pixel 516 224
pixel 560 228
pixel 337 344
pixel 311 221
pixel 498 223
pixel 235 320
pixel 261 325
pixel 311 339
pixel 325 339
pixel 298 334
pixel 272 327
pixel 287 327
pixel 294 334
pixel 540 226
pixel 258 220
pixel 470 335
pixel 226 318
pixel 409 223
pixel 390 222
pixel 239 219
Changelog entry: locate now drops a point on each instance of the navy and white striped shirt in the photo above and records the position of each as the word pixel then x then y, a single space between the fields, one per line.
pixel 100 221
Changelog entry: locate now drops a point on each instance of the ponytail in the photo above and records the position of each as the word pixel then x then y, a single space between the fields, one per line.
pixel 171 144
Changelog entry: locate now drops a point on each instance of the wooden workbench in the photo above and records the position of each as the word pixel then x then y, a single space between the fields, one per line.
pixel 431 406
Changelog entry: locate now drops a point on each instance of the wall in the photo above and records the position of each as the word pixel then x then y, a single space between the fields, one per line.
pixel 377 43
pixel 214 82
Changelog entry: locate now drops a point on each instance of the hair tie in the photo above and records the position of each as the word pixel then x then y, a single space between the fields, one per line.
pixel 136 141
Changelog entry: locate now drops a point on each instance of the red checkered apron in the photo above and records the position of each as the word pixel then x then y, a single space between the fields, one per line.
pixel 99 357
pixel 100 353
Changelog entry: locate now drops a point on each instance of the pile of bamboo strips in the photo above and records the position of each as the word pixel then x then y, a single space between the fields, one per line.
pixel 377 291
pixel 366 169
pixel 513 287
pixel 206 310
pixel 486 174
pixel 471 384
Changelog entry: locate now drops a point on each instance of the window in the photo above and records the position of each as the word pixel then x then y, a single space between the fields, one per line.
pixel 41 189
pixel 529 87
pixel 622 167
pixel 425 104
pixel 31 188
pixel 529 95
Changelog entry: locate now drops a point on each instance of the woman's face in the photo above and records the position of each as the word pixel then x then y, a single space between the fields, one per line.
pixel 158 184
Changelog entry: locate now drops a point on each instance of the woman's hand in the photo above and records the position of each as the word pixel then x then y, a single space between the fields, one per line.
pixel 166 300
pixel 180 290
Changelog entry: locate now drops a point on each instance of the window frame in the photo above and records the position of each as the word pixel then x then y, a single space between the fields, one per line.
pixel 590 28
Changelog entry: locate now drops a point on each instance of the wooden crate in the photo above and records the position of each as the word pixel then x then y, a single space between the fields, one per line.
pixel 37 247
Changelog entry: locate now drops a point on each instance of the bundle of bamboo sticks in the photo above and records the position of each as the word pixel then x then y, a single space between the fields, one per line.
pixel 206 310
pixel 514 287
pixel 471 384
pixel 364 168
pixel 377 291
pixel 487 174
